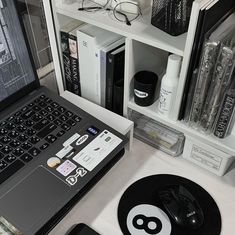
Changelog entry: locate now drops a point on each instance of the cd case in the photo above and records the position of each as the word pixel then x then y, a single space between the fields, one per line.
pixel 156 134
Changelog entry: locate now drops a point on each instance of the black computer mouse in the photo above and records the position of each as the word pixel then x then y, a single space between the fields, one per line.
pixel 81 229
pixel 182 206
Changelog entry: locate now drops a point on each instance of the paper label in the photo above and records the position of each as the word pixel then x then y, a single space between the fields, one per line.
pixel 90 156
pixel 66 168
pixel 207 158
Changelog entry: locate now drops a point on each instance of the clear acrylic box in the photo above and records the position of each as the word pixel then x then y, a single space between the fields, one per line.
pixel 156 134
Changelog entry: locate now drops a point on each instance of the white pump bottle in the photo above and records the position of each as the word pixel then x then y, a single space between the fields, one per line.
pixel 169 85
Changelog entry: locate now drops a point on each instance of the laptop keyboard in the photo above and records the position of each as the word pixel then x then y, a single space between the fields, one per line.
pixel 31 125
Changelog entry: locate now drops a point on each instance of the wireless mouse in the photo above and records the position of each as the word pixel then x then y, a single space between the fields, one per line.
pixel 182 206
pixel 82 229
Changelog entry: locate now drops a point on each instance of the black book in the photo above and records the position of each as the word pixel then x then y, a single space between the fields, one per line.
pixel 73 85
pixel 70 56
pixel 114 72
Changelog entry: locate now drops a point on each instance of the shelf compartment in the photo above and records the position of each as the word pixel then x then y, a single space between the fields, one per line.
pixel 140 30
pixel 226 145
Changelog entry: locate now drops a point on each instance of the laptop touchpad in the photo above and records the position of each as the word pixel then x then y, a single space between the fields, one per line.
pixel 31 199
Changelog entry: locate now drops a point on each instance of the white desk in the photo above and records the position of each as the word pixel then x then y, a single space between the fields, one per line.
pixel 98 208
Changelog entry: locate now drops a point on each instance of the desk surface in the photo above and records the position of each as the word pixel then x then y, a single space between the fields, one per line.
pixel 98 208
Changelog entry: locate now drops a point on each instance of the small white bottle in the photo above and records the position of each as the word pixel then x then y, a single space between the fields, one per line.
pixel 169 85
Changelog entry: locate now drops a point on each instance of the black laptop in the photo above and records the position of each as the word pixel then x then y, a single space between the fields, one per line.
pixel 51 152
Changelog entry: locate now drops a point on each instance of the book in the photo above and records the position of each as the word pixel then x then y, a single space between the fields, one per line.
pixel 114 72
pixel 90 40
pixel 226 113
pixel 103 53
pixel 209 17
pixel 69 56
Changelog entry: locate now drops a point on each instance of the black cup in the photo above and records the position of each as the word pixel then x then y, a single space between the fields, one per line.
pixel 144 87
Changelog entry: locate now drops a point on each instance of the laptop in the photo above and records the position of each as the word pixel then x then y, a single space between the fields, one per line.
pixel 51 151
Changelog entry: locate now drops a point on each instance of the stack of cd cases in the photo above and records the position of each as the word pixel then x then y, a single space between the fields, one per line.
pixel 213 79
pixel 156 134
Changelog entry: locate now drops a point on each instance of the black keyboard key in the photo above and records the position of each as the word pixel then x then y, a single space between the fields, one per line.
pixel 43 112
pixel 37 100
pixel 42 97
pixel 41 124
pixel 68 114
pixel 10 126
pixel 10 118
pixel 5 140
pixel 21 128
pixel 22 137
pixel 14 143
pixel 30 105
pixel 3 132
pixel 54 105
pixel 76 118
pixel 13 134
pixel 42 104
pixel 6 149
pixel 26 146
pixel 2 124
pixel 58 122
pixel 18 152
pixel 10 158
pixel 44 146
pixel 36 108
pixel 60 133
pixel 26 157
pixel 29 123
pixel 47 100
pixel 61 109
pixel 71 122
pixel 18 113
pixel 27 114
pixel 18 120
pixel 65 127
pixel 56 113
pixel 51 138
pixel 63 118
pixel 3 165
pixel 34 151
pixel 34 140
pixel 50 117
pixel 10 170
pixel 24 109
pixel 30 132
pixel 46 130
pixel 49 109
pixel 37 117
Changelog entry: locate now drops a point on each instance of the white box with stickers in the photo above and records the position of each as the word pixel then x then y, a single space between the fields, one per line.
pixel 206 156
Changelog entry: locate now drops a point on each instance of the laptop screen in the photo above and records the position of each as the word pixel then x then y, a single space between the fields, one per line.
pixel 16 69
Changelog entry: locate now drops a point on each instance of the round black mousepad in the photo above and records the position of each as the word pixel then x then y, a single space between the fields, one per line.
pixel 141 211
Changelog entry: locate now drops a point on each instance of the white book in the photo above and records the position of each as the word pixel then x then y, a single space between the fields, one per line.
pixel 90 39
pixel 102 66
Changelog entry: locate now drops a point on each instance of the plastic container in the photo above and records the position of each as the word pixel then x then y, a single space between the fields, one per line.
pixel 157 135
pixel 171 16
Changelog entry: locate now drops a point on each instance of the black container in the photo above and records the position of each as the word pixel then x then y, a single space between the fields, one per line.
pixel 171 16
pixel 144 87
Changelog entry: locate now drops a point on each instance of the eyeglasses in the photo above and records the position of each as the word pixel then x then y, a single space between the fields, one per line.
pixel 124 11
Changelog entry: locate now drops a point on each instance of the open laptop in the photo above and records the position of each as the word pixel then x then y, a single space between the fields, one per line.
pixel 51 152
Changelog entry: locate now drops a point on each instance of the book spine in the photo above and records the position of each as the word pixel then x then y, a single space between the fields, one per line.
pixel 74 85
pixel 66 59
pixel 225 116
pixel 109 81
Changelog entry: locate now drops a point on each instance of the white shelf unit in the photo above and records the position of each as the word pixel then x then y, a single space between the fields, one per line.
pixel 147 48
